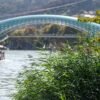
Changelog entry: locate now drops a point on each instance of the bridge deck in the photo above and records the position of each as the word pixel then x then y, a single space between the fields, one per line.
pixel 46 36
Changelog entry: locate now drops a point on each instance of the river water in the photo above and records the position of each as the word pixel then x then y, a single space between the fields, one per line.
pixel 14 62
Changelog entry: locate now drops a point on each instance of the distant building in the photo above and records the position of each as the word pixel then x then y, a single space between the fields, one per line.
pixel 87 15
pixel 90 14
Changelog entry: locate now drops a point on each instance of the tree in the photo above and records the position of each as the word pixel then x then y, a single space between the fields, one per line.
pixel 95 19
pixel 98 12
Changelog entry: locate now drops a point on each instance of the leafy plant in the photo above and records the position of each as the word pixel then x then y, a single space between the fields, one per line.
pixel 71 74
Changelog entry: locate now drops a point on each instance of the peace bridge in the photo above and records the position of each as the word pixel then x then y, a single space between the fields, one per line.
pixel 16 22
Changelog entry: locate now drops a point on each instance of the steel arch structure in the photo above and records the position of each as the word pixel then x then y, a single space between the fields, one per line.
pixel 13 23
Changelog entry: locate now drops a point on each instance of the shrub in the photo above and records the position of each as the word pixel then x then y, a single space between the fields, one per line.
pixel 72 74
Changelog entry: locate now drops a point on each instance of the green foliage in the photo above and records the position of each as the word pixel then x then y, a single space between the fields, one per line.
pixel 58 29
pixel 37 43
pixel 86 19
pixel 98 12
pixel 71 74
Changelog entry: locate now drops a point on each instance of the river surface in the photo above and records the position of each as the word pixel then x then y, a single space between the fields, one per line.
pixel 14 63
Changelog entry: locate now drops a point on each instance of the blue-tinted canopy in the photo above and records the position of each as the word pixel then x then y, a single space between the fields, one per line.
pixel 13 23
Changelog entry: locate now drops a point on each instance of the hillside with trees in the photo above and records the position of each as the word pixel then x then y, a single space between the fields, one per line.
pixel 14 7
pixel 38 43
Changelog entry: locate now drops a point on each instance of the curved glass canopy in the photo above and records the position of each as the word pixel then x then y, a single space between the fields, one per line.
pixel 12 23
